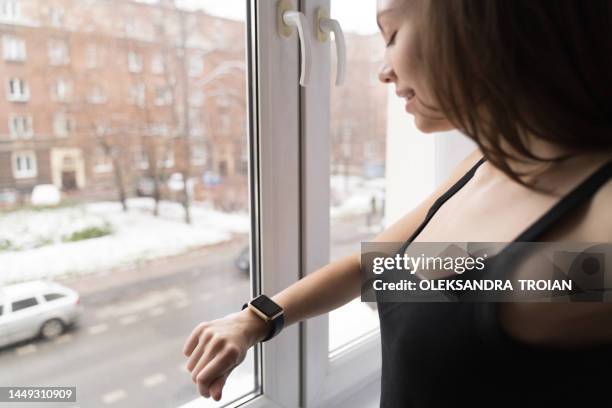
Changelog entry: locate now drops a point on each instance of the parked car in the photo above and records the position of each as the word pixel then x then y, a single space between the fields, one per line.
pixel 145 187
pixel 46 195
pixel 36 309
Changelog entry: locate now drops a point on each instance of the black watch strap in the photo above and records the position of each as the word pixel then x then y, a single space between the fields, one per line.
pixel 277 324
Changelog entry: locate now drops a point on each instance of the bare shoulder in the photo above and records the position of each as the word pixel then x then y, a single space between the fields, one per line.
pixel 599 213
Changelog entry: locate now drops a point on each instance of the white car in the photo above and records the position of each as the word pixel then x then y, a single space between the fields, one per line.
pixel 36 308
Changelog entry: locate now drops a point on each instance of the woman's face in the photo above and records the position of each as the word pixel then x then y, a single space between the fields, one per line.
pixel 397 22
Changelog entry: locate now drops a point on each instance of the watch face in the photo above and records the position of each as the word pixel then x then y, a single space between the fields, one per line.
pixel 266 305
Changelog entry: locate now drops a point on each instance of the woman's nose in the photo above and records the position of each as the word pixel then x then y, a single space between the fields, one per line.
pixel 386 74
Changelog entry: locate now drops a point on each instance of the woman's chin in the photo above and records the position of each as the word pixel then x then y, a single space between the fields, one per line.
pixel 429 125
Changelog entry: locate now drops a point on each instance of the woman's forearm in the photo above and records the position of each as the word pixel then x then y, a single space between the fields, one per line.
pixel 321 291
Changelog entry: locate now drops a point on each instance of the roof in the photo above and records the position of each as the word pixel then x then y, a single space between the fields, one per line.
pixel 26 288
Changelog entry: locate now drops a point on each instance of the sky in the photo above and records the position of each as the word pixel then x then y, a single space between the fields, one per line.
pixel 358 16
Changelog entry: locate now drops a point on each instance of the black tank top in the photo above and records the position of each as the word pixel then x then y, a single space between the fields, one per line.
pixel 456 354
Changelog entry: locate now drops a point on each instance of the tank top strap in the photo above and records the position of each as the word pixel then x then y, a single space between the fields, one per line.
pixel 585 190
pixel 441 200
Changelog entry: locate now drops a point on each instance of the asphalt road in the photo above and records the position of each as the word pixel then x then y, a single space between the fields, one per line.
pixel 126 350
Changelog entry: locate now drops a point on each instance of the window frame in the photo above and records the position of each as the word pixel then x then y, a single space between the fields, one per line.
pixel 21 174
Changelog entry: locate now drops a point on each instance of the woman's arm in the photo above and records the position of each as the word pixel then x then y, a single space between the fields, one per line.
pixel 215 348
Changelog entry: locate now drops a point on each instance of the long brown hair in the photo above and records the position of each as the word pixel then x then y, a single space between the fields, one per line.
pixel 501 70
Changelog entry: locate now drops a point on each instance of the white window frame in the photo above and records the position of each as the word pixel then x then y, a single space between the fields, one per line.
pixel 27 173
pixel 137 94
pixel 24 90
pixel 63 125
pixel 24 128
pixel 13 48
pixel 157 64
pixel 61 90
pixel 59 52
pixel 10 10
pixel 103 163
pixel 135 62
pixel 196 65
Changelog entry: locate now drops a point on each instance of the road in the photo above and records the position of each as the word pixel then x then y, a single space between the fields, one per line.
pixel 126 350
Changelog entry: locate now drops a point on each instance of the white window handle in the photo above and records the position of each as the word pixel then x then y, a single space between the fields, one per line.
pixel 293 18
pixel 324 26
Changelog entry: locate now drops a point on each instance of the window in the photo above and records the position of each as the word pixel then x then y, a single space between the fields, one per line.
pixel 10 10
pixel 198 155
pixel 56 16
pixel 20 126
pixel 163 96
pixel 137 94
pixel 24 164
pixel 96 95
pixel 102 163
pixel 92 56
pixel 24 304
pixel 58 52
pixel 61 90
pixel 13 48
pixel 134 62
pixel 168 157
pixel 63 125
pixel 18 90
pixel 53 296
pixel 157 64
pixel 141 159
pixel 196 65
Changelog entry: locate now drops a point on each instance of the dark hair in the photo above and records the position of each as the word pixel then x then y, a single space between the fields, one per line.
pixel 501 70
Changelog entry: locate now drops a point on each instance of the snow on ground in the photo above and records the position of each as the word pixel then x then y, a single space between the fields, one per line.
pixel 38 249
pixel 137 236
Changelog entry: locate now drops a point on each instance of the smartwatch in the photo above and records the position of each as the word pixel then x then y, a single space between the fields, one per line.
pixel 268 311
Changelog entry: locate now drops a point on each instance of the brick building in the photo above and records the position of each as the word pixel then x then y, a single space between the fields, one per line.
pixel 100 88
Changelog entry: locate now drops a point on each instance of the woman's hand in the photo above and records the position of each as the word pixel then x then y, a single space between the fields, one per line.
pixel 215 348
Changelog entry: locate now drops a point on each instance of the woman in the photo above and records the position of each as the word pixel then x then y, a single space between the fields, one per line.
pixel 530 82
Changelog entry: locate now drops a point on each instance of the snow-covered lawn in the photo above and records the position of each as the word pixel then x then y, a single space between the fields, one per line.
pixel 137 236
pixel 33 242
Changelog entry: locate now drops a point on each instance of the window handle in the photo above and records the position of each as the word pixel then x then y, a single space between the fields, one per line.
pixel 325 25
pixel 292 18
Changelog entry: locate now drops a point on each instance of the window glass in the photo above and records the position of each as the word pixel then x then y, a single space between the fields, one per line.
pixel 24 304
pixel 133 195
pixel 52 296
pixel 358 132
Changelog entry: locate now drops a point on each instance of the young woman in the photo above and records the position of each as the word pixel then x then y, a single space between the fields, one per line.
pixel 531 83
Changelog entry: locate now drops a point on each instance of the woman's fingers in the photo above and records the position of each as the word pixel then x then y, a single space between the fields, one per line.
pixel 222 362
pixel 192 340
pixel 216 387
pixel 210 350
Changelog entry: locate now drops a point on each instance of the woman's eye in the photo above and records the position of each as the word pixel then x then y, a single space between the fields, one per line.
pixel 392 39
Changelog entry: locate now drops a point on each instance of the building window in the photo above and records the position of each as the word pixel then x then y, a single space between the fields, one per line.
pixel 58 52
pixel 168 157
pixel 159 129
pixel 18 90
pixel 198 155
pixel 14 48
pixel 96 95
pixel 9 10
pixel 63 125
pixel 195 124
pixel 61 90
pixel 24 164
pixel 56 16
pixel 137 95
pixel 102 161
pixel 141 159
pixel 21 126
pixel 134 62
pixel 92 57
pixel 196 65
pixel 163 96
pixel 157 64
